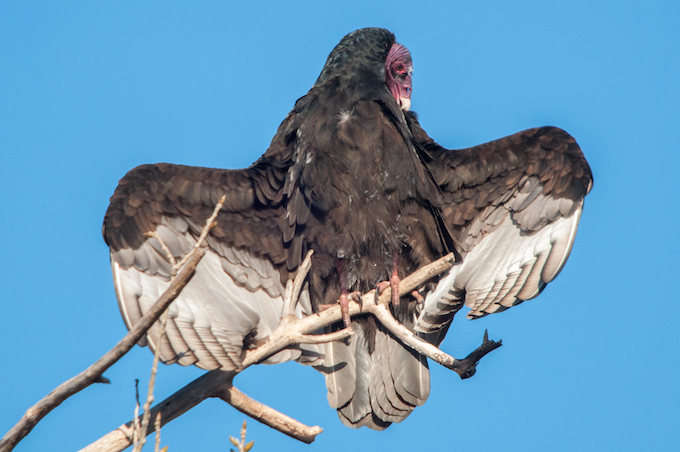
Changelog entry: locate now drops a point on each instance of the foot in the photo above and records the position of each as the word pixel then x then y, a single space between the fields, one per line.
pixel 393 284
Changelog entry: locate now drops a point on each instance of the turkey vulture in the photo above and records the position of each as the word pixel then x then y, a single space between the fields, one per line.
pixel 352 175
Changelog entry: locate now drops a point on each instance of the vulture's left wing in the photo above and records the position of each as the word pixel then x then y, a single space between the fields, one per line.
pixel 236 295
pixel 513 206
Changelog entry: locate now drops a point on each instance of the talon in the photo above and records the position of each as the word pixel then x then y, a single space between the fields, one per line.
pixel 355 296
pixel 381 286
pixel 393 284
pixel 419 298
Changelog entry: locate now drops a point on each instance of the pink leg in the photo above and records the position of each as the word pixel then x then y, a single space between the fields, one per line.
pixel 394 285
pixel 393 282
pixel 345 296
pixel 344 308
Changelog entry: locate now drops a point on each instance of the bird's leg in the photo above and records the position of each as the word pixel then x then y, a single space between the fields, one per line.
pixel 393 283
pixel 345 295
pixel 344 308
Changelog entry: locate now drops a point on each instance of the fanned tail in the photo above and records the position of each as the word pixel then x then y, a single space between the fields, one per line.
pixel 372 379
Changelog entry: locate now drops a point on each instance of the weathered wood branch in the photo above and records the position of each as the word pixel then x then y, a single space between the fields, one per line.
pixel 182 273
pixel 93 373
pixel 284 335
pixel 215 383
pixel 290 331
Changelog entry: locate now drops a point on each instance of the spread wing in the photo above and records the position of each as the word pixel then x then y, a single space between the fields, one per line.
pixel 513 206
pixel 236 295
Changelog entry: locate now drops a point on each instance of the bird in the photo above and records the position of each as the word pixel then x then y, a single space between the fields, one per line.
pixel 351 175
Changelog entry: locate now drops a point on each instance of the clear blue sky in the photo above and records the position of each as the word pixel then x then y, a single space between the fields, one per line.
pixel 89 91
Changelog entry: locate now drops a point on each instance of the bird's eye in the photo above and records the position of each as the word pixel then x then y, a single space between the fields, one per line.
pixel 400 68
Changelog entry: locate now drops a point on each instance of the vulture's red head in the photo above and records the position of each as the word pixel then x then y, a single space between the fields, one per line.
pixel 373 56
pixel 398 69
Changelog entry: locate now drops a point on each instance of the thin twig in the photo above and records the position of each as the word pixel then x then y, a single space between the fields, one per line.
pixel 405 336
pixel 300 278
pixel 157 428
pixel 152 382
pixel 166 250
pixel 241 444
pixel 137 428
pixel 293 288
pixel 209 224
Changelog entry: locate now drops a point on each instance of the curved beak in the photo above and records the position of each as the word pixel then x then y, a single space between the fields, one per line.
pixel 405 90
pixel 404 103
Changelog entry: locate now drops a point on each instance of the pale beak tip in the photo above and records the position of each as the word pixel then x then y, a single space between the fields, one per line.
pixel 405 103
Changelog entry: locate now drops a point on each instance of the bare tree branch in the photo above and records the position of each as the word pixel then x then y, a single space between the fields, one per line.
pixel 292 298
pixel 182 273
pixel 90 375
pixel 269 416
pixel 290 331
pixel 467 366
pixel 215 383
pixel 284 335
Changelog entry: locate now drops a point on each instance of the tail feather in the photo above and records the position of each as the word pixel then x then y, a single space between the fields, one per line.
pixel 374 388
pixel 359 406
pixel 339 368
pixel 410 373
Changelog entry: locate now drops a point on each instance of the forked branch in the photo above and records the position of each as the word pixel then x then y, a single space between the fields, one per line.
pixel 290 331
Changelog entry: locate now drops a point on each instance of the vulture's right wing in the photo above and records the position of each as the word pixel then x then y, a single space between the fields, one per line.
pixel 236 295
